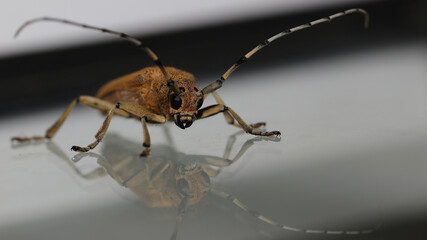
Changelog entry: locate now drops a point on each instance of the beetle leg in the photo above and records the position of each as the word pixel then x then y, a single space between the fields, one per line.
pixel 132 109
pixel 230 119
pixel 147 142
pixel 146 116
pixel 52 130
pixel 140 112
pixel 158 171
pixel 99 136
pixel 225 161
pixel 94 102
pixel 97 173
pixel 101 105
pixel 215 109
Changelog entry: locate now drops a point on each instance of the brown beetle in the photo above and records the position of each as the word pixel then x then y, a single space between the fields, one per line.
pixel 160 94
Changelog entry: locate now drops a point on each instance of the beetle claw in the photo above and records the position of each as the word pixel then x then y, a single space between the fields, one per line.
pixel 79 149
pixel 277 133
pixel 145 153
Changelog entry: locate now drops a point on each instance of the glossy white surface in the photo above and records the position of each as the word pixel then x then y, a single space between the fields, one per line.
pixel 354 137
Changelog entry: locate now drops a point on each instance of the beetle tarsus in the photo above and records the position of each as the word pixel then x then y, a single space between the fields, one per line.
pixel 257 125
pixel 272 134
pixel 20 140
pixel 79 149
pixel 145 153
pixel 27 139
pixel 277 133
pixel 264 134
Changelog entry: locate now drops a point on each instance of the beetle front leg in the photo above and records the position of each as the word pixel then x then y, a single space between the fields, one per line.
pixel 230 119
pixel 134 110
pixel 247 128
pixel 215 109
pixel 99 136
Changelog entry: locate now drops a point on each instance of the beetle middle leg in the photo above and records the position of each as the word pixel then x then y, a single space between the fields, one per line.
pixel 147 141
pixel 145 116
pixel 134 110
pixel 230 119
pixel 218 108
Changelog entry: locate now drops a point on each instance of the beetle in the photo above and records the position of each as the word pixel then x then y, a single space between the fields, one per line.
pixel 159 94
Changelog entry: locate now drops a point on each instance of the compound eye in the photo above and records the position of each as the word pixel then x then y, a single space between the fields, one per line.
pixel 199 103
pixel 176 102
pixel 183 186
pixel 206 178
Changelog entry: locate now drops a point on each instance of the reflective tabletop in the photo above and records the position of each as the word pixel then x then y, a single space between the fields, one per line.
pixel 351 159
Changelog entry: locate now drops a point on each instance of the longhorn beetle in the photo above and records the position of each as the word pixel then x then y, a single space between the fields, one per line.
pixel 159 94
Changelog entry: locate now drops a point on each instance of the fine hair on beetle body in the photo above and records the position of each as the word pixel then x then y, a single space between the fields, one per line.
pixel 159 94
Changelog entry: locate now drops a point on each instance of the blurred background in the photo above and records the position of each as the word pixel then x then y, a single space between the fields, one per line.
pixel 51 61
pixel 351 104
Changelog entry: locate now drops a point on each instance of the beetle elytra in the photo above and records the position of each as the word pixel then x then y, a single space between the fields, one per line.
pixel 159 94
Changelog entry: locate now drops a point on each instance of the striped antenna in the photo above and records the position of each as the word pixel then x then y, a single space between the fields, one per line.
pixel 181 211
pixel 218 83
pixel 268 220
pixel 171 84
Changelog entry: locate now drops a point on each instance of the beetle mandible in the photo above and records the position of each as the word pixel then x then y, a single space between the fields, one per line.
pixel 160 94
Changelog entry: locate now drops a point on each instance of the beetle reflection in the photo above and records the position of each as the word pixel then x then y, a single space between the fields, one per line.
pixel 167 178
pixel 170 178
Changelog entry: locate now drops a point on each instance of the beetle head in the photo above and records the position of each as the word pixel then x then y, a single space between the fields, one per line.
pixel 192 181
pixel 184 106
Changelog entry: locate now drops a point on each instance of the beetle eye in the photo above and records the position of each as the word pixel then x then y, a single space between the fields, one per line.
pixel 199 103
pixel 206 178
pixel 176 102
pixel 183 186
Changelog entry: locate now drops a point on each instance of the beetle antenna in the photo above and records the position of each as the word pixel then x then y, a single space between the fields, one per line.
pixel 171 84
pixel 218 83
pixel 181 211
pixel 290 228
